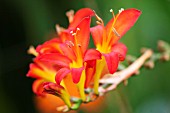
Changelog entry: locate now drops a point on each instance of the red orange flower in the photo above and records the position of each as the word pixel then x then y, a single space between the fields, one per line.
pixel 66 60
pixel 64 66
pixel 106 40
pixel 75 55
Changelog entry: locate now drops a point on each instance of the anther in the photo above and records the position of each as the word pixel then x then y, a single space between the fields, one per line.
pixel 121 10
pixel 116 33
pixel 71 32
pixel 111 10
pixel 78 29
pixel 98 18
pixel 79 45
pixel 69 44
pixel 99 23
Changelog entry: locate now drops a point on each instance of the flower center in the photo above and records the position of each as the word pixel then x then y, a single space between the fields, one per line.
pixel 77 49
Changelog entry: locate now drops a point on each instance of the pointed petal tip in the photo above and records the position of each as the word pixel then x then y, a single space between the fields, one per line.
pixel 76 74
pixel 92 54
pixel 97 34
pixel 80 15
pixel 61 74
pixel 112 61
pixel 120 49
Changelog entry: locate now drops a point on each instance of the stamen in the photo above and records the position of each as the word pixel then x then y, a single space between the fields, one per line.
pixel 99 19
pixel 69 44
pixel 71 32
pixel 116 33
pixel 121 10
pixel 78 29
pixel 99 23
pixel 74 33
pixel 111 10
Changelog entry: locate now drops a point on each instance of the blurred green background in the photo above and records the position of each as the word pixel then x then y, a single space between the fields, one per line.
pixel 31 22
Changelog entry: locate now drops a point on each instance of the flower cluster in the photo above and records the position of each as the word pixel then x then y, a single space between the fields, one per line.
pixel 65 66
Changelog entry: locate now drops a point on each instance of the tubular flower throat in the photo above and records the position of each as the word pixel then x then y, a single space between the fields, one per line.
pixel 65 67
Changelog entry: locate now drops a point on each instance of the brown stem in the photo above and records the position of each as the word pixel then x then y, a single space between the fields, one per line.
pixel 116 78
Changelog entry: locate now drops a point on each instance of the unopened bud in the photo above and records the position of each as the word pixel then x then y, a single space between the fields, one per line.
pixel 165 57
pixel 149 64
pixel 161 46
pixel 125 82
pixel 143 50
pixel 130 59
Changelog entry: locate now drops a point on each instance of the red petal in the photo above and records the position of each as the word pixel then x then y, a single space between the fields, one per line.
pixel 97 34
pixel 120 49
pixel 124 22
pixel 61 74
pixel 66 36
pixel 49 46
pixel 92 54
pixel 76 74
pixel 90 70
pixel 41 70
pixel 52 88
pixel 68 51
pixel 55 58
pixel 90 58
pixel 32 72
pixel 37 86
pixel 83 35
pixel 80 14
pixel 112 61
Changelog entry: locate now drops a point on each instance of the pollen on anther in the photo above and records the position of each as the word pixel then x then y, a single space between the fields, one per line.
pixel 78 29
pixel 121 10
pixel 111 10
pixel 70 44
pixel 79 45
pixel 71 32
pixel 116 33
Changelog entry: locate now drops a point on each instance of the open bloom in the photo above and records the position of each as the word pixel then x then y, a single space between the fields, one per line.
pixel 106 40
pixel 63 65
pixel 75 59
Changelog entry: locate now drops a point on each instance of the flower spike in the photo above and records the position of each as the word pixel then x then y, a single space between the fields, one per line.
pixel 65 67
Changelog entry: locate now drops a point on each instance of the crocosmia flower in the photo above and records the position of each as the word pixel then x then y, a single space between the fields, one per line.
pixel 64 66
pixel 106 40
pixel 76 57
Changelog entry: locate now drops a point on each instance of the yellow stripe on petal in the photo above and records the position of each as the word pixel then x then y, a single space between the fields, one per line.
pixel 99 68
pixel 66 98
pixel 49 76
pixel 80 85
